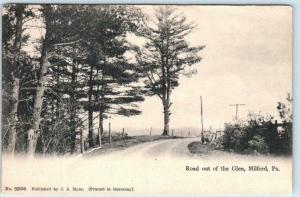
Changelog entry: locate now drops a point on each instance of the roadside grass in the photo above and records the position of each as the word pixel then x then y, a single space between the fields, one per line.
pixel 199 148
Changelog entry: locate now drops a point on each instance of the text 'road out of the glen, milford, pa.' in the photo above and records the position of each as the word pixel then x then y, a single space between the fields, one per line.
pixel 146 99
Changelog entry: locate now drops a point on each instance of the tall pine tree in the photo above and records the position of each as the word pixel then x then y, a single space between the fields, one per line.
pixel 166 55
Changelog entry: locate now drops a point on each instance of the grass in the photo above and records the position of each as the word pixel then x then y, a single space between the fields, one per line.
pixel 199 148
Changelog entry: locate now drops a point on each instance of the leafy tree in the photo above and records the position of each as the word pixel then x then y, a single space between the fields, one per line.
pixel 286 115
pixel 285 109
pixel 166 55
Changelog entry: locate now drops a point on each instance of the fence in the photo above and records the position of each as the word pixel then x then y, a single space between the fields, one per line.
pixel 100 138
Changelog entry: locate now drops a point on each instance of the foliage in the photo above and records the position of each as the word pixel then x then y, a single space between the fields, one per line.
pixel 166 55
pixel 17 70
pixel 285 109
pixel 258 144
pixel 286 115
pixel 260 133
pixel 84 49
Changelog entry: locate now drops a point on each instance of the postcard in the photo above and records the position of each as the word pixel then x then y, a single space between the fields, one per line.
pixel 146 99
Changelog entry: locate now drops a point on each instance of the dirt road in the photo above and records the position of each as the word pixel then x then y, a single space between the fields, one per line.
pixel 156 149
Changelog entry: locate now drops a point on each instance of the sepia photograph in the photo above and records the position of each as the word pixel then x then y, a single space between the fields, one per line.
pixel 116 99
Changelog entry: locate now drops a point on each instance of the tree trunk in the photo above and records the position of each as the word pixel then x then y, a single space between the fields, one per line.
pixel 58 93
pixel 12 137
pixel 73 111
pixel 73 131
pixel 99 138
pixel 33 132
pixel 166 112
pixel 90 110
pixel 100 129
pixel 90 134
pixel 99 103
pixel 101 122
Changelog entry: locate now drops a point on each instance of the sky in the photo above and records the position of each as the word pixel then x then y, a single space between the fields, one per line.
pixel 247 59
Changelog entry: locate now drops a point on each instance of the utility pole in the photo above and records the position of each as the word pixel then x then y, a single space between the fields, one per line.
pixel 236 109
pixel 201 117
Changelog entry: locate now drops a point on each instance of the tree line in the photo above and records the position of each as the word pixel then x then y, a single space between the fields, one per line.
pixel 81 66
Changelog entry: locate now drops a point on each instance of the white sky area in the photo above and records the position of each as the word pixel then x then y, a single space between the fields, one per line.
pixel 247 59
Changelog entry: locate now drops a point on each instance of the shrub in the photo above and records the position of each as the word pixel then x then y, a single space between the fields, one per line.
pixel 260 133
pixel 234 138
pixel 258 144
pixel 255 134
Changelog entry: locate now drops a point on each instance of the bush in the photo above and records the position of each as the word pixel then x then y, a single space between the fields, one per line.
pixel 258 144
pixel 257 134
pixel 234 138
pixel 260 133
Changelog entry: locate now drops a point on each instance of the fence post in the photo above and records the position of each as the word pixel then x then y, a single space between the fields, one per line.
pixel 123 136
pixel 81 143
pixel 109 134
pixel 99 137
